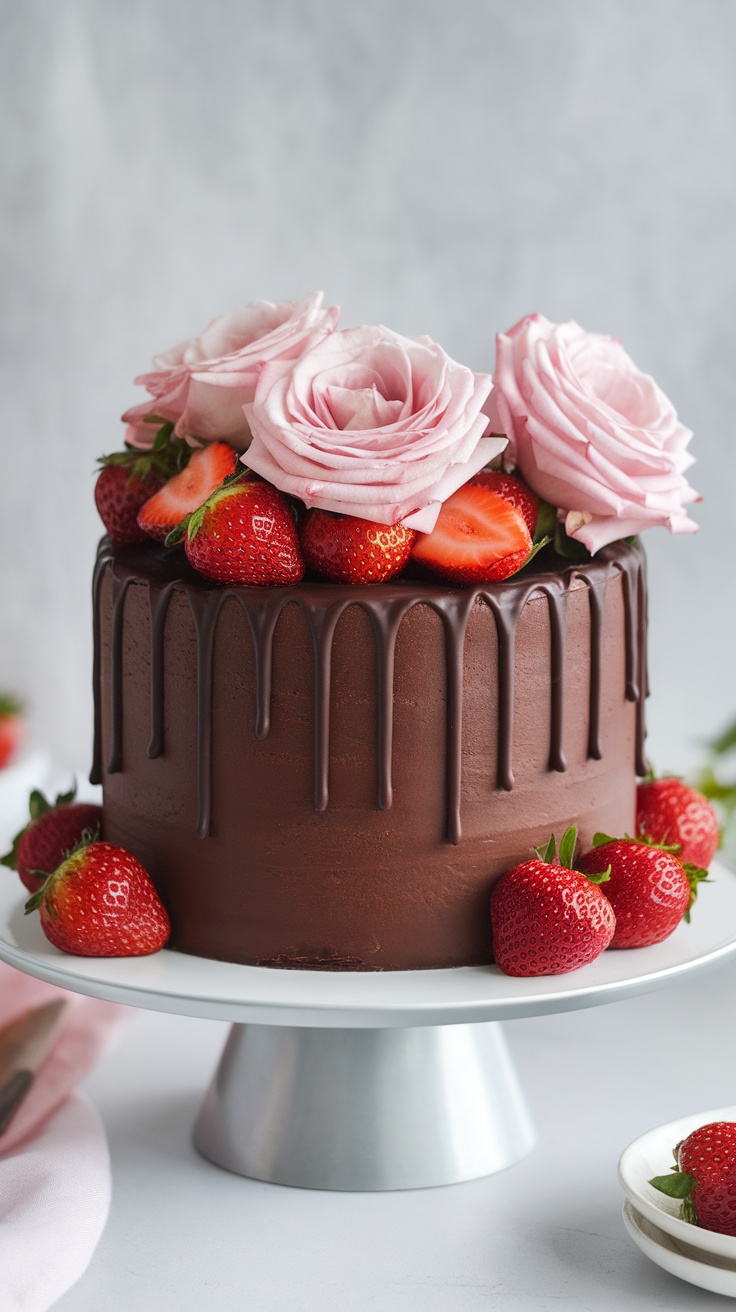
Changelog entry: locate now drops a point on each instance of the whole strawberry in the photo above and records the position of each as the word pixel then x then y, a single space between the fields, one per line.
pixel 119 495
pixel 705 1177
pixel 52 830
pixel 670 811
pixel 245 533
pixel 648 887
pixel 345 549
pixel 12 729
pixel 130 478
pixel 548 919
pixel 100 902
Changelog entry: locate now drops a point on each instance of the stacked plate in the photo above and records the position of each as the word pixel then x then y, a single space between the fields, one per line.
pixel 653 1220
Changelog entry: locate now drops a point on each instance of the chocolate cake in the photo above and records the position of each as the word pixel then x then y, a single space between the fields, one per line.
pixel 332 777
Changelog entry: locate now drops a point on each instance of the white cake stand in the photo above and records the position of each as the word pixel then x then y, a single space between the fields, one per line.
pixel 367 1081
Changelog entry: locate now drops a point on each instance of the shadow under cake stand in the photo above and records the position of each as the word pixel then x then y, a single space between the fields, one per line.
pixel 356 1081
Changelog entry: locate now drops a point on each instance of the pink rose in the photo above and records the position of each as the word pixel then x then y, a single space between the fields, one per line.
pixel 201 385
pixel 589 432
pixel 373 424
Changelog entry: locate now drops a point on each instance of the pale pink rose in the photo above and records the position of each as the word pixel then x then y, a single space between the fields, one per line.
pixel 201 385
pixel 589 432
pixel 373 424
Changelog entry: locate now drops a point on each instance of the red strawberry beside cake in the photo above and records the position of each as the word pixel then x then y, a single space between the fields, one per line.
pixel 394 637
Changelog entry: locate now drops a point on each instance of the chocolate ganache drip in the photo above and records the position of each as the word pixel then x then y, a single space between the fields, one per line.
pixel 386 606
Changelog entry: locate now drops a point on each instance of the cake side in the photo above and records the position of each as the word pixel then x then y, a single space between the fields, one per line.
pixel 334 777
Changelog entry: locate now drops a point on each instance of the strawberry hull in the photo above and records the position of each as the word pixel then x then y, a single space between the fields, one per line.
pixel 333 777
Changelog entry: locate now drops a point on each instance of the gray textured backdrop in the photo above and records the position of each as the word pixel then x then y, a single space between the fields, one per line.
pixel 443 168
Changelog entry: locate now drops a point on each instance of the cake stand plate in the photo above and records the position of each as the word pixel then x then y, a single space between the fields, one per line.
pixel 358 1081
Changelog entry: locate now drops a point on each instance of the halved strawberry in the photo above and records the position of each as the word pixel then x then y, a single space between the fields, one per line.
pixel 187 491
pixel 346 549
pixel 511 489
pixel 480 536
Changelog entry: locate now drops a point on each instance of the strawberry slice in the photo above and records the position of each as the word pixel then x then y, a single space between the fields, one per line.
pixel 479 537
pixel 187 491
pixel 512 489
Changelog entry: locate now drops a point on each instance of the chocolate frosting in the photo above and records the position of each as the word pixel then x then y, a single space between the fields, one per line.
pixel 142 596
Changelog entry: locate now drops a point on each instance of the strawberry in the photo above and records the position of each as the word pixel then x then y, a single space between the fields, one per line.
pixel 548 919
pixel 480 536
pixel 51 832
pixel 100 902
pixel 649 888
pixel 513 490
pixel 669 811
pixel 346 549
pixel 705 1177
pixel 244 533
pixel 129 478
pixel 186 492
pixel 12 729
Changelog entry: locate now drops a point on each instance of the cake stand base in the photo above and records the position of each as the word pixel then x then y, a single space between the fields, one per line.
pixel 365 1109
pixel 386 1080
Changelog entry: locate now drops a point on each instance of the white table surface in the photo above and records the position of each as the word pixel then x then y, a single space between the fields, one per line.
pixel 544 1236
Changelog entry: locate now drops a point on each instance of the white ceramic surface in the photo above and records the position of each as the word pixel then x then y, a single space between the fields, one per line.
pixel 650 1155
pixel 194 986
pixel 678 1258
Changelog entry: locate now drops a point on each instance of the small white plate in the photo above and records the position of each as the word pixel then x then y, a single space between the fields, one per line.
pixel 651 1154
pixel 679 1259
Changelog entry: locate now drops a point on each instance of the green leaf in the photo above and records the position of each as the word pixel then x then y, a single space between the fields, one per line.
pixel 599 840
pixel 695 877
pixel 538 546
pixel 10 705
pixel 177 534
pixel 545 526
pixel 687 1212
pixel 548 853
pixel 725 742
pixel 567 847
pixel 569 548
pixel 35 901
pixel 601 877
pixel 195 522
pixel 678 1184
pixel 163 437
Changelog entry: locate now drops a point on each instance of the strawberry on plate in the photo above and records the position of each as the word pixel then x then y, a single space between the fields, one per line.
pixel 187 491
pixel 244 533
pixel 52 830
pixel 670 811
pixel 100 902
pixel 705 1177
pixel 480 536
pixel 345 549
pixel 547 918
pixel 12 728
pixel 648 887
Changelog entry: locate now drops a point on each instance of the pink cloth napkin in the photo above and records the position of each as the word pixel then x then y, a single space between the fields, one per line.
pixel 54 1163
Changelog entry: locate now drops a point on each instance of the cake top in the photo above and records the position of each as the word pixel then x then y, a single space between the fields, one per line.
pixel 277 443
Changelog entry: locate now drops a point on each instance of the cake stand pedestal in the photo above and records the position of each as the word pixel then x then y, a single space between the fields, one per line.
pixel 367 1081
